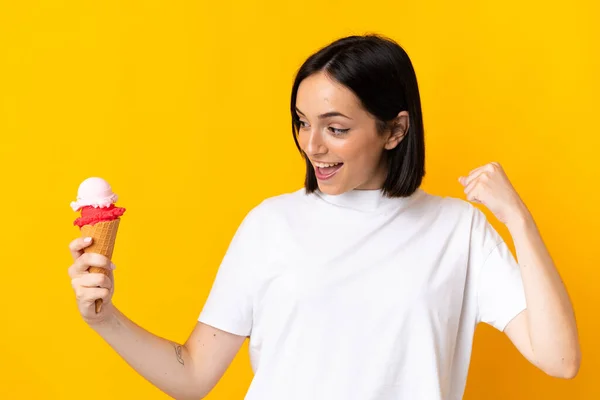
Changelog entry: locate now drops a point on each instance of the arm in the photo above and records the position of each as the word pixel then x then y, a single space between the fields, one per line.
pixel 187 371
pixel 545 333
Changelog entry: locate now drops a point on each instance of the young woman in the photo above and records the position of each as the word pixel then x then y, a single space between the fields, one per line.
pixel 359 285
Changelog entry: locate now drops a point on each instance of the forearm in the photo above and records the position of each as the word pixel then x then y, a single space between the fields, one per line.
pixel 551 320
pixel 165 364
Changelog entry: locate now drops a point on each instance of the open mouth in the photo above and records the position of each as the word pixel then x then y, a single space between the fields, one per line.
pixel 326 171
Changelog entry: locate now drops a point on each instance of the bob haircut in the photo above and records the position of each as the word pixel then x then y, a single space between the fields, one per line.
pixel 379 72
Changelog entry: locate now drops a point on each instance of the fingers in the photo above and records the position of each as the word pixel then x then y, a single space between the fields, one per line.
pixel 465 180
pixel 86 297
pixel 86 260
pixel 476 173
pixel 88 288
pixel 473 174
pixel 76 247
pixel 488 167
pixel 92 281
pixel 472 192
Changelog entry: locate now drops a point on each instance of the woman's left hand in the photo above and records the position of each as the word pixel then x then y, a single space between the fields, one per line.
pixel 489 185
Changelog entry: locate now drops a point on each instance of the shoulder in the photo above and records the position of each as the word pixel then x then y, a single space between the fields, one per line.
pixel 283 201
pixel 446 206
pixel 458 212
pixel 272 207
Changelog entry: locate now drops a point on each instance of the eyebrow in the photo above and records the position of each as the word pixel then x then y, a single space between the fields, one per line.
pixel 327 114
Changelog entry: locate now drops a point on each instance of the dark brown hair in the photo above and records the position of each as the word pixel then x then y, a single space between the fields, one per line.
pixel 379 72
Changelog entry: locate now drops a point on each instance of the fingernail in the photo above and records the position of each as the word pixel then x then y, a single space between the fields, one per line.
pixel 87 240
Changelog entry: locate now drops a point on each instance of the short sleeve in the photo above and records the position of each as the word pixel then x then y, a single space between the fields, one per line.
pixel 500 292
pixel 229 305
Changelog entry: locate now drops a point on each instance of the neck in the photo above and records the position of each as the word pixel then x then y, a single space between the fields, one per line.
pixel 377 179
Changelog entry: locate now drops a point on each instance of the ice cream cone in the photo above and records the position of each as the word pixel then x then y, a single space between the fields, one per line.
pixel 104 235
pixel 99 220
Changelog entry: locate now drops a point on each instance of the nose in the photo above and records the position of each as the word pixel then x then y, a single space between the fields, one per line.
pixel 314 144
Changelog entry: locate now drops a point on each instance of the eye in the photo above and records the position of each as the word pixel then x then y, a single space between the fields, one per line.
pixel 338 131
pixel 303 124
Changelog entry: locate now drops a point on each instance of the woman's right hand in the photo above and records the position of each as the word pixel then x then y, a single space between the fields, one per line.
pixel 183 371
pixel 91 286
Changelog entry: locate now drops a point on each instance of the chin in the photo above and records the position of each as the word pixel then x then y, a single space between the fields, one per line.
pixel 331 190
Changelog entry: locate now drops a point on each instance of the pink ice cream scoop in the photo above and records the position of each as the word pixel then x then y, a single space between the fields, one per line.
pixel 94 192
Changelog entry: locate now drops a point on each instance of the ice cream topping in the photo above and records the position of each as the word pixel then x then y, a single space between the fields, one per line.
pixel 95 192
pixel 95 200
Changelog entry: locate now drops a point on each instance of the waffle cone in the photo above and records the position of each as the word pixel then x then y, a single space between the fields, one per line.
pixel 104 235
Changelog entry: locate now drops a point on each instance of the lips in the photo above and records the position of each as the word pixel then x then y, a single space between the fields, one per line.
pixel 324 173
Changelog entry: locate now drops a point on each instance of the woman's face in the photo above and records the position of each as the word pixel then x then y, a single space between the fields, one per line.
pixel 340 138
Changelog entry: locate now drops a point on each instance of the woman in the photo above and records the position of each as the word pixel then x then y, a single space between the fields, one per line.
pixel 360 285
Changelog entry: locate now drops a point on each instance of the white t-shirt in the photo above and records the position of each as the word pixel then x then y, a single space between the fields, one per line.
pixel 362 297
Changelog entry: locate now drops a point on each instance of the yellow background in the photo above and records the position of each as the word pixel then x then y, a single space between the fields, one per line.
pixel 183 107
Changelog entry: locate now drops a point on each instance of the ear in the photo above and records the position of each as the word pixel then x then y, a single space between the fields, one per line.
pixel 399 128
